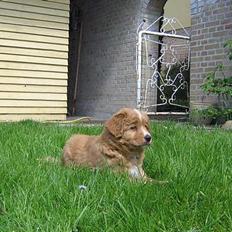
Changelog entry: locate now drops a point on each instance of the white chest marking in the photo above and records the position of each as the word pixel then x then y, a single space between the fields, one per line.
pixel 134 171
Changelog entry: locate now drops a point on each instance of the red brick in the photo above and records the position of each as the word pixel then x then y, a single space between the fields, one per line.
pixel 210 24
pixel 203 53
pixel 212 46
pixel 228 26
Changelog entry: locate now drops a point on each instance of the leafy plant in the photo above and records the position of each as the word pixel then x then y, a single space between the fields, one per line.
pixel 218 86
pixel 203 116
pixel 222 87
pixel 228 45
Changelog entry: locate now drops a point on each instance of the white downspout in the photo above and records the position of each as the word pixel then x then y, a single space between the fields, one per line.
pixel 139 70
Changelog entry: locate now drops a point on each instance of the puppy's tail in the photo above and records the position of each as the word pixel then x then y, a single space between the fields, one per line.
pixel 49 159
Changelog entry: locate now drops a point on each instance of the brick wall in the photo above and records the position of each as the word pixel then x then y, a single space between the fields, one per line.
pixel 211 28
pixel 107 77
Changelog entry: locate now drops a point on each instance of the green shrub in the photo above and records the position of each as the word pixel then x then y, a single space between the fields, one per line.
pixel 222 87
pixel 203 116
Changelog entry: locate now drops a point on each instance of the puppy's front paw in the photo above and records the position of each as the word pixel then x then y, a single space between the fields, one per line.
pixel 146 180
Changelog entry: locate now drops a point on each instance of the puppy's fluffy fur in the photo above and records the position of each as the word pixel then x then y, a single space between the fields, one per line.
pixel 120 146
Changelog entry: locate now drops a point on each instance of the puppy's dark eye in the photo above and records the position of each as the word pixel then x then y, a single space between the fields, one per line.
pixel 147 127
pixel 133 127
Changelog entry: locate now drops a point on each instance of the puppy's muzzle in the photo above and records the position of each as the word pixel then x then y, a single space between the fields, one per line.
pixel 147 138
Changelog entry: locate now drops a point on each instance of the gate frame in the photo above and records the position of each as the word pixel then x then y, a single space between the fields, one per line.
pixel 139 48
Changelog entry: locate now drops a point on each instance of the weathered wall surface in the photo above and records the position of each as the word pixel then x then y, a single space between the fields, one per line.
pixel 107 77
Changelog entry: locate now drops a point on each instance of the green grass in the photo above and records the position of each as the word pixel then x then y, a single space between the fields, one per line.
pixel 36 196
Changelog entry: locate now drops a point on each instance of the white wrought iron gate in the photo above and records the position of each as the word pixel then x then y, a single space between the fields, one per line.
pixel 161 67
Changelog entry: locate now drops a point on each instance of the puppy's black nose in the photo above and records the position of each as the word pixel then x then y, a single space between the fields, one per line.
pixel 147 138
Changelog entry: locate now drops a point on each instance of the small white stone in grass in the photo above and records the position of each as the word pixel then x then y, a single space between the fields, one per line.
pixel 82 187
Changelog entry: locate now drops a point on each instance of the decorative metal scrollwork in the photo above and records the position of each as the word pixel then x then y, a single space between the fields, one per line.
pixel 160 66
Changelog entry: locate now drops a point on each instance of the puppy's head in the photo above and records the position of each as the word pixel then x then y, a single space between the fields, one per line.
pixel 130 126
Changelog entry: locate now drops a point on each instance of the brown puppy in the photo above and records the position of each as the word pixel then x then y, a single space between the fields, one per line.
pixel 120 146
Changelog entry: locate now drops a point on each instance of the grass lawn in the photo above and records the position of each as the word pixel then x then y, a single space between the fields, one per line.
pixel 35 196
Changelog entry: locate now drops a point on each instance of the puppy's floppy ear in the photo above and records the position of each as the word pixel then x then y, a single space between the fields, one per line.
pixel 115 124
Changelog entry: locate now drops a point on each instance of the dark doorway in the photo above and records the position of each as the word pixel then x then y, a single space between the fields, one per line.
pixel 75 36
pixel 182 96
